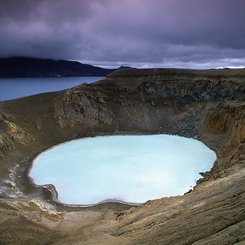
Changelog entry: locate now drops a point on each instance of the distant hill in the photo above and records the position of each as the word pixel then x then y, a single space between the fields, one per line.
pixel 33 67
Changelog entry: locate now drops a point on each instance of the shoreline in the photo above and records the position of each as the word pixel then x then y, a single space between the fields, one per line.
pixel 54 193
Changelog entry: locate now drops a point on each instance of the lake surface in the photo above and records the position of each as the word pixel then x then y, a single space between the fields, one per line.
pixel 125 168
pixel 12 88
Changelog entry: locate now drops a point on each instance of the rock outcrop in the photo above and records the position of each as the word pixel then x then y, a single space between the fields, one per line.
pixel 11 135
pixel 84 107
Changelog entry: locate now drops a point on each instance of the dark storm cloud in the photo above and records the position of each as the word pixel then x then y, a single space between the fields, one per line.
pixel 183 33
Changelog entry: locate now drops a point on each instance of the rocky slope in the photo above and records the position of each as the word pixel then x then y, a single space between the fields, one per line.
pixel 208 105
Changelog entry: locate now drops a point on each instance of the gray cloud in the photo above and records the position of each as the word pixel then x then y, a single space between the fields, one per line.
pixel 144 33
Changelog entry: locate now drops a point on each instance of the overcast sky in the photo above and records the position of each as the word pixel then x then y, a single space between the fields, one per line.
pixel 140 33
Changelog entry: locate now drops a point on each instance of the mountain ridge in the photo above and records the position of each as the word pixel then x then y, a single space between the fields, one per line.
pixel 36 67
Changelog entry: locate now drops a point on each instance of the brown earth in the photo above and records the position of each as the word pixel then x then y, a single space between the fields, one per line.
pixel 208 105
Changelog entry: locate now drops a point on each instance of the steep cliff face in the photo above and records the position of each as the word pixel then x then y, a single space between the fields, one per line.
pixel 11 135
pixel 194 85
pixel 84 106
pixel 228 120
pixel 208 105
pixel 176 105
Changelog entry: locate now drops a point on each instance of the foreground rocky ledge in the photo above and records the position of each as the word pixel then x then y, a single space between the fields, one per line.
pixel 208 105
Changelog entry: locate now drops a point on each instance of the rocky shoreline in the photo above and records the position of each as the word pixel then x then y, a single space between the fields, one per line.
pixel 207 105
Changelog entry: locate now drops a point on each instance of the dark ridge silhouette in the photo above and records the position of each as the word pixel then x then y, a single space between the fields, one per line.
pixel 34 67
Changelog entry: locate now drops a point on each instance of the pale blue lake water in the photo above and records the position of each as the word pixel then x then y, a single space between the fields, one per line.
pixel 125 168
pixel 12 88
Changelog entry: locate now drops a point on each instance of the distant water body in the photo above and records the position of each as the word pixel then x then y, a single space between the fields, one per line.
pixel 12 88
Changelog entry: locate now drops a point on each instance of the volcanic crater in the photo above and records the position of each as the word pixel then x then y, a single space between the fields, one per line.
pixel 206 105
